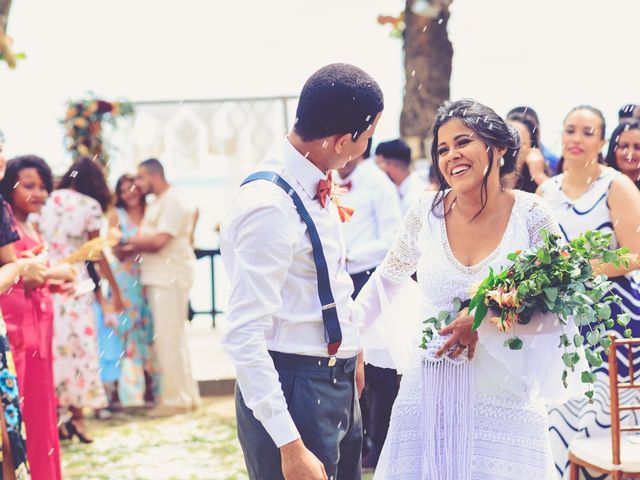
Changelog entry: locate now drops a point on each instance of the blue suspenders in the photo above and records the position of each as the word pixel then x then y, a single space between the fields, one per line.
pixel 333 333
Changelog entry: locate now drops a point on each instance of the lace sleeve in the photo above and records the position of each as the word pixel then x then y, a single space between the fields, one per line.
pixel 8 233
pixel 402 260
pixel 539 217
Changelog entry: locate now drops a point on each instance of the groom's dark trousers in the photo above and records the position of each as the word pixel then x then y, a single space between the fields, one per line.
pixel 323 403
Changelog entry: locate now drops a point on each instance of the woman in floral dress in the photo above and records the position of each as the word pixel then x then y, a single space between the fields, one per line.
pixel 135 328
pixel 72 216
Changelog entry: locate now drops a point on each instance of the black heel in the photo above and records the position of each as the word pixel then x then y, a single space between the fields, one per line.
pixel 73 429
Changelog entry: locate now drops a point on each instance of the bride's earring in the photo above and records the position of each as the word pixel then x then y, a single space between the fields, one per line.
pixel 502 162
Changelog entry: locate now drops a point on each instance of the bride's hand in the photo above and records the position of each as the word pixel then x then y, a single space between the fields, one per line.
pixel 461 336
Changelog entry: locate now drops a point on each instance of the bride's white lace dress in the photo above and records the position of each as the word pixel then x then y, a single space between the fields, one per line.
pixel 467 420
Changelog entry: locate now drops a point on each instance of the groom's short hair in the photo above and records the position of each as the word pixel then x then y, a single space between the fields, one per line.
pixel 336 100
pixel 153 165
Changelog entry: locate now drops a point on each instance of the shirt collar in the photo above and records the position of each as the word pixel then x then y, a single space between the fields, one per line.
pixel 305 172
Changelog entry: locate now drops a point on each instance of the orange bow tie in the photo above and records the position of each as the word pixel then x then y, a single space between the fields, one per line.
pixel 324 191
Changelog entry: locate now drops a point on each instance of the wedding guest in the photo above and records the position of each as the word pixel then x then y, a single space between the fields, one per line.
pixel 593 196
pixel 73 215
pixel 528 113
pixel 624 150
pixel 394 158
pixel 276 318
pixel 532 168
pixel 629 113
pixel 13 449
pixel 135 385
pixel 368 236
pixel 109 344
pixel 28 312
pixel 167 270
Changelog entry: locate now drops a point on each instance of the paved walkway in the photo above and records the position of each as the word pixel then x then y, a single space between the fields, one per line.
pixel 209 361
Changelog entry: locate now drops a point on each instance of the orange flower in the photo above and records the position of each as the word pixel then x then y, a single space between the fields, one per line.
pixel 81 122
pixel 508 299
pixel 565 254
pixel 345 213
pixel 518 252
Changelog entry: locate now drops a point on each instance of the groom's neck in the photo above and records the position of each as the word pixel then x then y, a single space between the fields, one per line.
pixel 313 151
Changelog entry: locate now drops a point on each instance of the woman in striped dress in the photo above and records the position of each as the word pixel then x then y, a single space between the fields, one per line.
pixel 593 196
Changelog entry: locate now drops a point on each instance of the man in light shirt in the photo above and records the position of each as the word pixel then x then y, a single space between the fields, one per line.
pixel 167 270
pixel 296 403
pixel 368 236
pixel 394 158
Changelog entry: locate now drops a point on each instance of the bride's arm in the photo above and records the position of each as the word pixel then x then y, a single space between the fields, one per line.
pixel 396 269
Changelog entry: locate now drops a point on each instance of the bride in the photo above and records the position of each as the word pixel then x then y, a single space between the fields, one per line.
pixel 468 408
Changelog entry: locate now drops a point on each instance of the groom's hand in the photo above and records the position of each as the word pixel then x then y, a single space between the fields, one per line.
pixel 360 374
pixel 462 336
pixel 298 463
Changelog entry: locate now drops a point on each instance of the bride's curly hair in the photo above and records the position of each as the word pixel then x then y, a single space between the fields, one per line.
pixel 490 128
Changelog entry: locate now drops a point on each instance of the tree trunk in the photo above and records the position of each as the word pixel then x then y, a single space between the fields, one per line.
pixel 427 63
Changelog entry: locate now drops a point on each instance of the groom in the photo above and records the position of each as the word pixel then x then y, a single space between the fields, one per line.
pixel 290 332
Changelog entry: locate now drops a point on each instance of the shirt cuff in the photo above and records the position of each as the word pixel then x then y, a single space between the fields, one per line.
pixel 281 429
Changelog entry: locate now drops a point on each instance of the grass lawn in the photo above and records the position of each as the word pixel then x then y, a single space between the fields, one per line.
pixel 199 446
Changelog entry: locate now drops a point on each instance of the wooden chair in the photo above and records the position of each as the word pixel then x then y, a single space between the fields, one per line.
pixel 617 456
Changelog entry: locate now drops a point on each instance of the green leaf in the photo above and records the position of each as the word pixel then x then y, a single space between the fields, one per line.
pixel 603 311
pixel 512 257
pixel 478 316
pixel 551 293
pixel 628 333
pixel 588 377
pixel 442 316
pixel 623 319
pixel 564 340
pixel 594 358
pixel 589 395
pixel 567 358
pixel 457 304
pixel 609 256
pixel 514 343
pixel 605 343
pixel 565 373
pixel 610 323
pixel 593 338
pixel 578 340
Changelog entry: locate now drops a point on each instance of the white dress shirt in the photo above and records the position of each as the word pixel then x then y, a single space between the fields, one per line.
pixel 410 190
pixel 377 216
pixel 274 302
